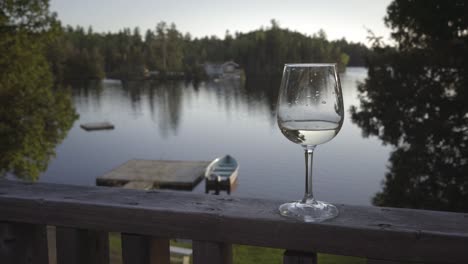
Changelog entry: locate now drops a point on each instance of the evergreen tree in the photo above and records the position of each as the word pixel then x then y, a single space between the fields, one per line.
pixel 85 54
pixel 34 117
pixel 414 98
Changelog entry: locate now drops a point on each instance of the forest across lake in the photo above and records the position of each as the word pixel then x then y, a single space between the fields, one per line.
pixel 79 54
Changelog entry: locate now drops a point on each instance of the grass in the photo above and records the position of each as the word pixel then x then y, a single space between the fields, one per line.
pixel 115 248
pixel 259 255
pixel 241 254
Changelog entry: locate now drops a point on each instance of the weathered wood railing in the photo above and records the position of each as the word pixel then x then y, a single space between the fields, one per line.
pixel 148 219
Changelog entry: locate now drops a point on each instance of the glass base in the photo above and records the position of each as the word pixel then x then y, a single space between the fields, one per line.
pixel 309 211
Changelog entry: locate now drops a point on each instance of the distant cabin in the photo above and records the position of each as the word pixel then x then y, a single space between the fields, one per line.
pixel 153 74
pixel 150 74
pixel 217 70
pixel 171 75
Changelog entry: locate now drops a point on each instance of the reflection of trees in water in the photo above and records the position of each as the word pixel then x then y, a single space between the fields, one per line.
pixel 264 90
pixel 166 98
pixel 415 99
pixel 256 93
pixel 228 93
pixel 134 90
pixel 89 92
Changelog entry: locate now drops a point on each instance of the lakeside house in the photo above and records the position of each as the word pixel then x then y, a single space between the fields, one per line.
pixel 157 75
pixel 151 74
pixel 228 69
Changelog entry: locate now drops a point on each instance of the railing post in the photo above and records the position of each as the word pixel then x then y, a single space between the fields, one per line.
pixel 297 257
pixel 144 249
pixel 76 246
pixel 135 249
pixel 23 243
pixel 378 261
pixel 160 251
pixel 205 252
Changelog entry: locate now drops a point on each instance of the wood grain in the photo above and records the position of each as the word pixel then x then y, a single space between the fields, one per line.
pixel 298 257
pixel 144 249
pixel 163 174
pixel 377 261
pixel 159 251
pixel 76 246
pixel 135 249
pixel 206 252
pixel 97 126
pixel 22 243
pixel 373 232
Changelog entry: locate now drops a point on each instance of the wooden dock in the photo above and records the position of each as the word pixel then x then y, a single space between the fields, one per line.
pixel 97 126
pixel 163 174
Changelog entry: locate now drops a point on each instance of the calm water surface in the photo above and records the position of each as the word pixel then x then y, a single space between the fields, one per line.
pixel 180 121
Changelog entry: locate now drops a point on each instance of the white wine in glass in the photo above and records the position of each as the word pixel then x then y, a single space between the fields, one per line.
pixel 310 112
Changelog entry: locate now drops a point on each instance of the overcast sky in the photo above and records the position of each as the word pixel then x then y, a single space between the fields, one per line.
pixel 339 18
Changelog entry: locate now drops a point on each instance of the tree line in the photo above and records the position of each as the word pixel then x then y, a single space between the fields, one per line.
pixel 79 53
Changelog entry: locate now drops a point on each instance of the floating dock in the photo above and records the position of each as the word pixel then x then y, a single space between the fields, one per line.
pixel 138 185
pixel 148 174
pixel 97 126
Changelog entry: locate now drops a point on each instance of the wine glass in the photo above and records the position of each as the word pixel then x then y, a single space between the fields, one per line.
pixel 310 112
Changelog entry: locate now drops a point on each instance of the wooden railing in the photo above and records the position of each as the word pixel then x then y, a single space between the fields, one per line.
pixel 83 216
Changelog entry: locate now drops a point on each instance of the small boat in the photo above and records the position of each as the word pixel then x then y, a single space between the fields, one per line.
pixel 221 174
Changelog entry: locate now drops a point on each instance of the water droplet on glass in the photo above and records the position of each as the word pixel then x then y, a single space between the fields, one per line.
pixel 309 96
pixel 324 102
pixel 297 101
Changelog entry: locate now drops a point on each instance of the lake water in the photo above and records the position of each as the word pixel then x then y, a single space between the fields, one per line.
pixel 180 121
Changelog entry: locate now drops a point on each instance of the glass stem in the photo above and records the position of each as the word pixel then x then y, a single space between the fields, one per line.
pixel 309 159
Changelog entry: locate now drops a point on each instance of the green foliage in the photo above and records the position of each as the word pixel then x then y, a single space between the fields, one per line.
pixel 168 44
pixel 31 16
pixel 75 55
pixel 128 55
pixel 427 24
pixel 415 99
pixel 34 118
pixel 243 254
pixel 356 52
pixel 264 52
pixel 255 255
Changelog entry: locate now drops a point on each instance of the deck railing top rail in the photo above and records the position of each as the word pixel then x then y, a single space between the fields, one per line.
pixel 372 232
